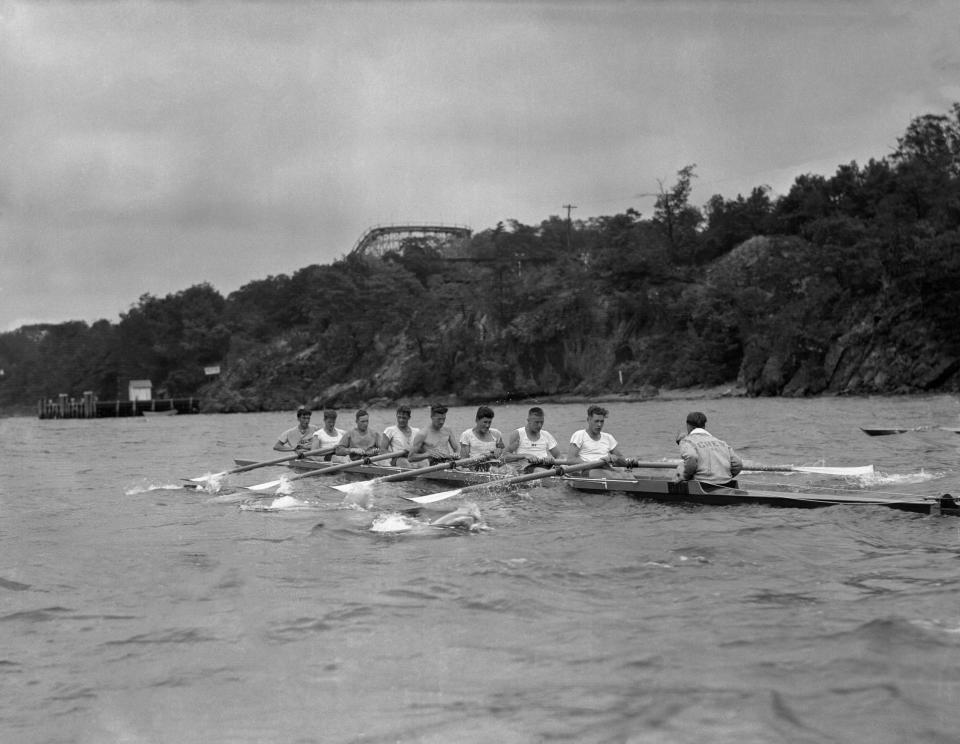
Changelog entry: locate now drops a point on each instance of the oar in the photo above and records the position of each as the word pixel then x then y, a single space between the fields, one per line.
pixel 558 470
pixel 265 463
pixel 818 469
pixel 411 473
pixel 756 466
pixel 323 471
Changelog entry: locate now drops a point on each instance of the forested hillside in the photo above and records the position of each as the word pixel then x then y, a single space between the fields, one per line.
pixel 849 283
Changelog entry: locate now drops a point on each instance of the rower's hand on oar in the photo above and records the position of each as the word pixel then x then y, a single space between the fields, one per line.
pixel 541 462
pixel 436 457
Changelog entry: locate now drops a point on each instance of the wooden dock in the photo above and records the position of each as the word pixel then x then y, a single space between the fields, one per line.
pixel 65 407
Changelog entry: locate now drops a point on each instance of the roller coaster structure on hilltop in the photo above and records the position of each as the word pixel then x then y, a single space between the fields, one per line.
pixel 381 239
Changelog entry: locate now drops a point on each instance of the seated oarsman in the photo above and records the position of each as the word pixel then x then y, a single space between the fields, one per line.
pixel 329 435
pixel 706 458
pixel 399 437
pixel 531 447
pixel 481 439
pixel 592 444
pixel 300 438
pixel 436 443
pixel 361 441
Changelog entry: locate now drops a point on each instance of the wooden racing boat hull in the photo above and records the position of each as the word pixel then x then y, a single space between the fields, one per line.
pixel 693 491
pixel 661 489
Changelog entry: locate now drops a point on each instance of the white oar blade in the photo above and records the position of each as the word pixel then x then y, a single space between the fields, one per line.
pixel 353 487
pixel 431 498
pixel 263 486
pixel 858 470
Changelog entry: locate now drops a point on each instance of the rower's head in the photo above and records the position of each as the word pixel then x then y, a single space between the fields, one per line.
pixel 596 416
pixel 303 415
pixel 484 418
pixel 403 416
pixel 534 420
pixel 695 420
pixel 329 418
pixel 363 420
pixel 438 416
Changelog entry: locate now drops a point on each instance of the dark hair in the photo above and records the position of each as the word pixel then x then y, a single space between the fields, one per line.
pixel 484 412
pixel 535 411
pixel 403 409
pixel 301 411
pixel 696 419
pixel 330 413
pixel 360 413
pixel 437 408
pixel 599 410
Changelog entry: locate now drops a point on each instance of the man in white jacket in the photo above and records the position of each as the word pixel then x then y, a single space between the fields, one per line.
pixel 706 458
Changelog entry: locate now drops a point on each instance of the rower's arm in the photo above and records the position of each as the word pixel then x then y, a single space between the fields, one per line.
pixel 513 443
pixel 417 449
pixel 688 468
pixel 736 464
pixel 377 447
pixel 455 447
pixel 573 454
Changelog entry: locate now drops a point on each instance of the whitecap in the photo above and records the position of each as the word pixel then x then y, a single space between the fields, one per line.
pixel 392 523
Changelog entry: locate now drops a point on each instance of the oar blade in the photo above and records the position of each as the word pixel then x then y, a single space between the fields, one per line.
pixel 354 487
pixel 432 498
pixel 206 478
pixel 263 486
pixel 852 471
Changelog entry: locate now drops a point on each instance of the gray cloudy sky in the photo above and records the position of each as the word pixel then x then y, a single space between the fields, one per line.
pixel 149 146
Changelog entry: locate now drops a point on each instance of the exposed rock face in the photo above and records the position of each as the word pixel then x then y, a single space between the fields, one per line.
pixel 768 319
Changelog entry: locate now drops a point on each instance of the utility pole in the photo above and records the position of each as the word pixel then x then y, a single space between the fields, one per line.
pixel 568 207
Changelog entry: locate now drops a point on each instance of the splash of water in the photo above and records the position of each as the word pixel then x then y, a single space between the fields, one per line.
pixel 134 490
pixel 284 503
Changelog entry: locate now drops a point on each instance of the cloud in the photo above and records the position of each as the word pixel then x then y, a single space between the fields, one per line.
pixel 150 146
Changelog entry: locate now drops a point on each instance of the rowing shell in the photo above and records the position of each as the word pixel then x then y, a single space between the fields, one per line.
pixel 662 489
pixel 704 493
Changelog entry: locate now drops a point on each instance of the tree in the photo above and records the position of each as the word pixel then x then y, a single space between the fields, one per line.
pixel 675 215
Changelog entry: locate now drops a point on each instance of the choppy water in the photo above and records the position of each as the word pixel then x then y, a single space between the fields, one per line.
pixel 135 611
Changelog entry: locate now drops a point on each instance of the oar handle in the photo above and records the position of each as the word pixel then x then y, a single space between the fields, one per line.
pixel 417 472
pixel 287 458
pixel 538 475
pixel 351 463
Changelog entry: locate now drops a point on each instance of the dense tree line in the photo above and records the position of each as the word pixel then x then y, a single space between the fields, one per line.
pixel 847 283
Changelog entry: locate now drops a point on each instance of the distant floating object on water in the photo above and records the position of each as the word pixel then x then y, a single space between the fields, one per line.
pixel 882 431
pixel 872 431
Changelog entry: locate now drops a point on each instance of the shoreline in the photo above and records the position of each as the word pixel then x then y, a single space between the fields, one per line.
pixel 715 392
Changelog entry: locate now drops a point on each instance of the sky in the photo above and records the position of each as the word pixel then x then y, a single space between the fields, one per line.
pixel 146 147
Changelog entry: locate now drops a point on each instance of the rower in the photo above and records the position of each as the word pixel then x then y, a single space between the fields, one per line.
pixel 706 458
pixel 436 443
pixel 593 444
pixel 299 438
pixel 532 444
pixel 330 435
pixel 400 437
pixel 480 439
pixel 361 441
